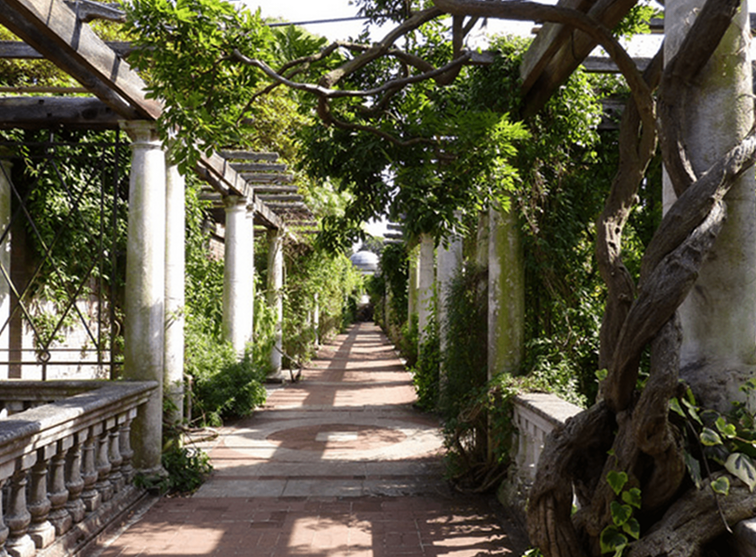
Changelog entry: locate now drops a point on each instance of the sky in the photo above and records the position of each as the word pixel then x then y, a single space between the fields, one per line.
pixel 298 11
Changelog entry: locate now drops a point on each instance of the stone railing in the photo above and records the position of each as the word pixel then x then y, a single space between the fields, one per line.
pixel 535 416
pixel 65 462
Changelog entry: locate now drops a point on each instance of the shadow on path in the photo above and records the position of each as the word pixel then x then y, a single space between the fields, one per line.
pixel 339 464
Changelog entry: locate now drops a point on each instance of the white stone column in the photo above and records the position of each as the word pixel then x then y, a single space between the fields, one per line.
pixel 275 292
pixel 426 283
pixel 316 320
pixel 144 300
pixel 506 294
pixel 175 266
pixel 719 315
pixel 449 264
pixel 414 282
pixel 238 275
pixel 5 263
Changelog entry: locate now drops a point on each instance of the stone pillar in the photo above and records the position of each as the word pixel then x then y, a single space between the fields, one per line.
pixel 5 262
pixel 719 315
pixel 144 300
pixel 506 294
pixel 449 264
pixel 414 282
pixel 175 265
pixel 426 284
pixel 238 275
pixel 275 292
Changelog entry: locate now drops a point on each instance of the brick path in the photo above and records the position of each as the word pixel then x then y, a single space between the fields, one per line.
pixel 339 464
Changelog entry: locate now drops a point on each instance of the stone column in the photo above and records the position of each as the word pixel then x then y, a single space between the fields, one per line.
pixel 506 294
pixel 449 264
pixel 144 300
pixel 414 282
pixel 238 275
pixel 426 283
pixel 719 315
pixel 5 262
pixel 175 265
pixel 275 292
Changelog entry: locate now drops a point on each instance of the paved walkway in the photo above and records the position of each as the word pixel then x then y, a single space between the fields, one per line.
pixel 338 464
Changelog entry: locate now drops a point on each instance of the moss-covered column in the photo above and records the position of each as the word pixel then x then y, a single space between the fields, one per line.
pixel 719 315
pixel 426 285
pixel 175 265
pixel 275 293
pixel 449 264
pixel 414 281
pixel 5 260
pixel 506 294
pixel 238 275
pixel 144 299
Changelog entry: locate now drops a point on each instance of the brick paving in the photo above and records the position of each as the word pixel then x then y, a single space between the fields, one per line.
pixel 338 464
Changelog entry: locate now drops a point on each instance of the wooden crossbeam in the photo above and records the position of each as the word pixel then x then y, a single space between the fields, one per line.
pixel 557 50
pixel 286 198
pixel 53 30
pixel 261 189
pixel 260 178
pixel 22 51
pixel 258 167
pixel 249 156
pixel 47 112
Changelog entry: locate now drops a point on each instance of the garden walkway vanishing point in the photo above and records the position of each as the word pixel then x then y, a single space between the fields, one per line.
pixel 337 464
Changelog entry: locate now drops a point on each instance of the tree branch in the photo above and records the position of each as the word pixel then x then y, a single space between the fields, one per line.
pixel 679 76
pixel 533 11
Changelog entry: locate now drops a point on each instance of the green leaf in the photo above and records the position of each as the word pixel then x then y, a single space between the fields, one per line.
pixel 632 497
pixel 620 513
pixel 726 429
pixel 617 480
pixel 721 485
pixel 694 469
pixel 692 411
pixel 741 466
pixel 674 405
pixel 613 540
pixel 632 527
pixel 710 438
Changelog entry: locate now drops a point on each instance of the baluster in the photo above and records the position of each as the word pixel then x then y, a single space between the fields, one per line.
pixel 58 493
pixel 103 485
pixel 90 495
pixel 116 460
pixel 19 542
pixel 3 527
pixel 41 530
pixel 127 453
pixel 74 481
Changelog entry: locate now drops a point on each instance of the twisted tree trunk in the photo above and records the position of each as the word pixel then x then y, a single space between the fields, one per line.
pixel 629 430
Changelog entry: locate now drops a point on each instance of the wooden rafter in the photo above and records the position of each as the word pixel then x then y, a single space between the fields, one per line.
pixel 558 50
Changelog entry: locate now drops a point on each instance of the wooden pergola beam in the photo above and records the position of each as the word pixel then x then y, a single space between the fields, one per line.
pixel 47 112
pixel 558 50
pixel 55 31
pixel 19 50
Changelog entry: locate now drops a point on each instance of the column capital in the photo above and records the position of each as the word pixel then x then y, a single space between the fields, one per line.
pixel 235 202
pixel 141 131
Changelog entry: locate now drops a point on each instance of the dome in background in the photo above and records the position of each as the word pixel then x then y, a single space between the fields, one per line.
pixel 365 261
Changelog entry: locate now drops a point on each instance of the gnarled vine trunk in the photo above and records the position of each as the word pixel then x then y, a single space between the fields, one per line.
pixel 629 430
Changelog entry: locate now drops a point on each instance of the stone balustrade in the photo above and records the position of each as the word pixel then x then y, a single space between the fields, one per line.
pixel 65 461
pixel 535 416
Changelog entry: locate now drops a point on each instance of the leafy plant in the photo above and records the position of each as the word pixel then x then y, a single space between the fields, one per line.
pixel 186 470
pixel 614 538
